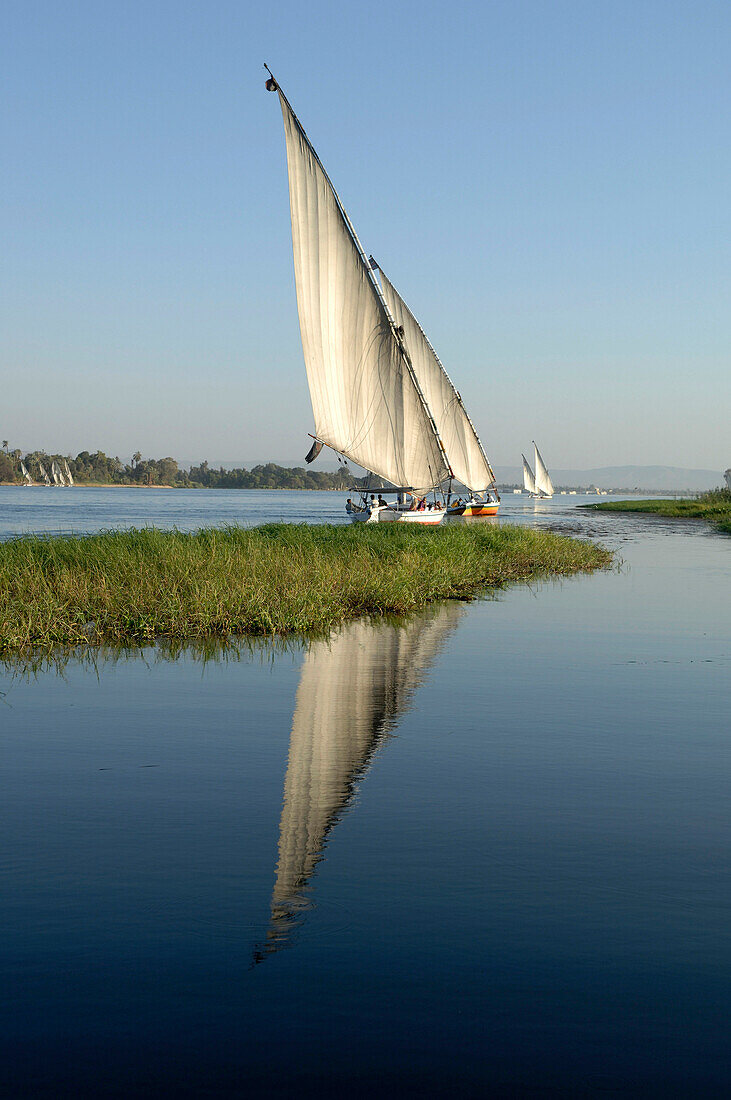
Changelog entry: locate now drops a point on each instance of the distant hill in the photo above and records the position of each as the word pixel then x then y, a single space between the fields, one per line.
pixel 658 478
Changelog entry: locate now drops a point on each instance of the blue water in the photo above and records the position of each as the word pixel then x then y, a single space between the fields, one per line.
pixel 82 510
pixel 484 851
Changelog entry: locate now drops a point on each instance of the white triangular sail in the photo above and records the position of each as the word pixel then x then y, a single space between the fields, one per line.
pixel 529 481
pixel 352 689
pixel 464 451
pixel 543 480
pixel 56 473
pixel 69 478
pixel 365 398
pixel 26 475
pixel 43 473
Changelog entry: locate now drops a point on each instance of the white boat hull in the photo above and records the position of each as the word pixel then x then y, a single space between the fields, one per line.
pixel 393 515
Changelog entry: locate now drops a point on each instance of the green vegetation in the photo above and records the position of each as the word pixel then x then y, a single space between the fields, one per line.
pixel 714 506
pixel 100 469
pixel 138 585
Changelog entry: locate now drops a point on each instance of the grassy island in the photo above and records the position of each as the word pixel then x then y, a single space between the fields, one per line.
pixel 138 585
pixel 713 506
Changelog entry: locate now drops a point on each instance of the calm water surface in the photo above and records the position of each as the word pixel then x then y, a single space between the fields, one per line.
pixel 482 851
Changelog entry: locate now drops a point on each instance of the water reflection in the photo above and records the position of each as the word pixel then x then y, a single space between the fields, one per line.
pixel 352 690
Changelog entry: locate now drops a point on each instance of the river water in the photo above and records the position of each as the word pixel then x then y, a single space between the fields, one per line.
pixel 481 851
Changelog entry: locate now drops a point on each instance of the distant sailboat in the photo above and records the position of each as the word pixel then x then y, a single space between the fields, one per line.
pixel 353 689
pixel 380 394
pixel 44 475
pixel 529 478
pixel 26 475
pixel 544 484
pixel 538 484
pixel 69 478
pixel 56 473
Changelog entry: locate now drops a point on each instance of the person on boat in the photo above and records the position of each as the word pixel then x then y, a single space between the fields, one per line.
pixel 348 506
pixel 422 505
pixel 381 502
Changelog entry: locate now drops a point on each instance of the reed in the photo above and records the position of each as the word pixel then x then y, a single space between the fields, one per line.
pixel 713 506
pixel 135 586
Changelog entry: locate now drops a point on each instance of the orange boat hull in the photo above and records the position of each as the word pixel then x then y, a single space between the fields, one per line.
pixel 475 510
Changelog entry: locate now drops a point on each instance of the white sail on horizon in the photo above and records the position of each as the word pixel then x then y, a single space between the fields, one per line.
pixel 462 446
pixel 56 473
pixel 69 478
pixel 25 474
pixel 529 480
pixel 366 401
pixel 44 475
pixel 544 485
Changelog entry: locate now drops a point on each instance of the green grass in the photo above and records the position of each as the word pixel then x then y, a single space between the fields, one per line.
pixel 714 506
pixel 135 586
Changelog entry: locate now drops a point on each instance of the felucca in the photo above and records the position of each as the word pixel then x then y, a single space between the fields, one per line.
pixel 380 394
pixel 538 484
pixel 28 479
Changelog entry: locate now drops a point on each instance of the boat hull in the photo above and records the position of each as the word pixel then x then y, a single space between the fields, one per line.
pixel 389 515
pixel 474 510
pixel 393 515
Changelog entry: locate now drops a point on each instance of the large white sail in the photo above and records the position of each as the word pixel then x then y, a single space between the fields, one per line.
pixel 543 480
pixel 529 481
pixel 353 687
pixel 365 397
pixel 26 475
pixel 69 478
pixel 464 451
pixel 44 475
pixel 56 473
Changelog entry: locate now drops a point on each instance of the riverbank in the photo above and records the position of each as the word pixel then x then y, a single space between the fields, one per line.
pixel 133 586
pixel 714 507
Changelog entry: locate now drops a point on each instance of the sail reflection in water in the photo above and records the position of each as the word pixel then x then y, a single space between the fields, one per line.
pixel 352 691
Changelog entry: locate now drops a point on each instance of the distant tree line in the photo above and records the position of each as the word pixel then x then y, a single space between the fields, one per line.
pixel 100 469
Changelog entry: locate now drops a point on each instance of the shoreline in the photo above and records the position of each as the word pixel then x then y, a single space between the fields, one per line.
pixel 137 586
pixel 713 507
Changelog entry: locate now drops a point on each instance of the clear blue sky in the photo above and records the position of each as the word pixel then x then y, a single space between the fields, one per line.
pixel 547 184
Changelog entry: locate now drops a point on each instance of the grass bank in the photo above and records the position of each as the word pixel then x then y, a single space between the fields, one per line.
pixel 714 506
pixel 135 586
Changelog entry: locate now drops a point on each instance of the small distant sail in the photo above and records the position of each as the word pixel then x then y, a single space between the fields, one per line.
pixel 544 484
pixel 43 473
pixel 56 473
pixel 529 481
pixel 69 478
pixel 26 475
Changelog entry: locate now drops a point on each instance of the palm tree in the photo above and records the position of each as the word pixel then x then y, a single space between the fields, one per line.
pixel 136 457
pixel 5 444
